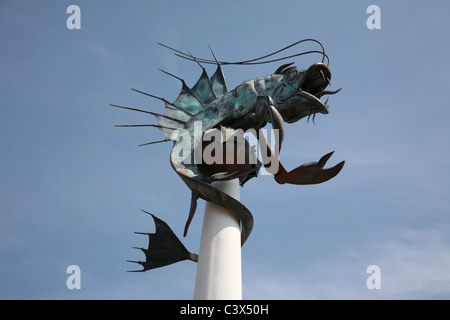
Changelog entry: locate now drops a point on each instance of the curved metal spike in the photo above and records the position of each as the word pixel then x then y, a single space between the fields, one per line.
pixel 149 112
pixel 147 212
pixel 143 125
pixel 166 46
pixel 329 92
pixel 128 108
pixel 168 118
pixel 164 100
pixel 218 80
pixel 284 66
pixel 215 58
pixel 143 233
pixel 153 142
pixel 182 80
pixel 150 95
pixel 139 262
pixel 195 59
pixel 133 125
pixel 185 87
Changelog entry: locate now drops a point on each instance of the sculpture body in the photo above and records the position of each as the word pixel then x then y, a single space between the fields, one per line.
pixel 287 95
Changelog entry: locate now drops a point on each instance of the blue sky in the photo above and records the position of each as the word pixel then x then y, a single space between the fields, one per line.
pixel 72 185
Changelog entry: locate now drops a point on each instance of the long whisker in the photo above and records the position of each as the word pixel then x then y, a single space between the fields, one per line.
pixel 188 56
pixel 331 92
pixel 319 94
pixel 322 93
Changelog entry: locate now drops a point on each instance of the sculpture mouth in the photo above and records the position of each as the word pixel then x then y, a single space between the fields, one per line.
pixel 306 100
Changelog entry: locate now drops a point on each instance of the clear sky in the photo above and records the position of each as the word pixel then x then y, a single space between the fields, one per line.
pixel 72 185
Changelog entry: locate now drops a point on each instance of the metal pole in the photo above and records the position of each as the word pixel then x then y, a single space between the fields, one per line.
pixel 219 274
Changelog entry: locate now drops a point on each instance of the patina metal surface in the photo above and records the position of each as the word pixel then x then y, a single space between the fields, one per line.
pixel 286 96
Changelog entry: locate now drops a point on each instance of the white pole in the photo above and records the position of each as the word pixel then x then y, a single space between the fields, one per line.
pixel 219 274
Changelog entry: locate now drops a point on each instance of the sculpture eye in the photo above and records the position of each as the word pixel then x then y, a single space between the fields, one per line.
pixel 292 76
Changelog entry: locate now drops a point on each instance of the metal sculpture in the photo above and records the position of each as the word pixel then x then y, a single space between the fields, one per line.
pixel 164 247
pixel 287 95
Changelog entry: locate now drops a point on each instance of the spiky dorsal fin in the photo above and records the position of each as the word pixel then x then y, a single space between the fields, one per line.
pixel 188 101
pixel 174 118
pixel 176 112
pixel 203 89
pixel 193 100
pixel 206 90
pixel 218 82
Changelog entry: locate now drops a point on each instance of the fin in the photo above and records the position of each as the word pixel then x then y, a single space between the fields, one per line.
pixel 203 89
pixel 187 100
pixel 166 123
pixel 163 120
pixel 172 112
pixel 175 112
pixel 218 82
pixel 164 248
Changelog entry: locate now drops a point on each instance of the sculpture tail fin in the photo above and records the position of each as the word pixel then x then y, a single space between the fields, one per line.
pixel 164 248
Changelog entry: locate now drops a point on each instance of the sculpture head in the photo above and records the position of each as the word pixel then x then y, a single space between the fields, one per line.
pixel 298 92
